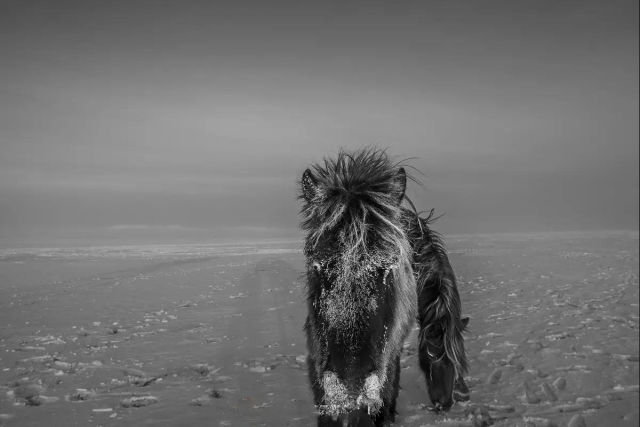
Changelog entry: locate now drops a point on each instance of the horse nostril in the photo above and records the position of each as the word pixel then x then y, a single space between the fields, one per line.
pixel 442 407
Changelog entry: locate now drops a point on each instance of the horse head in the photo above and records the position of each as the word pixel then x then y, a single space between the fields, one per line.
pixel 442 370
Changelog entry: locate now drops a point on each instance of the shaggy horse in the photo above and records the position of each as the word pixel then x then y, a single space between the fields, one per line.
pixel 373 267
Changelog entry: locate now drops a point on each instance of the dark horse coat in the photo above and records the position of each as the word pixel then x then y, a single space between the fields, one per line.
pixel 373 267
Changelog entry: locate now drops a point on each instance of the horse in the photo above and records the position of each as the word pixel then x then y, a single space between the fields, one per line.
pixel 374 267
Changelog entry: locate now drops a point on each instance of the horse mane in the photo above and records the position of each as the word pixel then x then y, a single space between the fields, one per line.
pixel 358 195
pixel 445 310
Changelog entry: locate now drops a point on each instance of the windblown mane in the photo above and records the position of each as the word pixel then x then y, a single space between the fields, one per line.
pixel 444 312
pixel 356 199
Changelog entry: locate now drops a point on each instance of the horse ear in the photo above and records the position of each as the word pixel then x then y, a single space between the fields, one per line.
pixel 309 186
pixel 465 322
pixel 401 184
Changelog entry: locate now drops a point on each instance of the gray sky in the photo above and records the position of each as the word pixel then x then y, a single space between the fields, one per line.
pixel 131 121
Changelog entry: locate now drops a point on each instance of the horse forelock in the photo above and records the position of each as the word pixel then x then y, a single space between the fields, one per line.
pixel 356 211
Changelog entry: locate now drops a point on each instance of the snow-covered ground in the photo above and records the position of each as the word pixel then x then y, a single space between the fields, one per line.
pixel 212 334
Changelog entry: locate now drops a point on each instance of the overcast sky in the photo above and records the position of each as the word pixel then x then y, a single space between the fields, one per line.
pixel 130 121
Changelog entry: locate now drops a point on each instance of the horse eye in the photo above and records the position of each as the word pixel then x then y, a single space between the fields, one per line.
pixel 316 266
pixel 432 354
pixel 434 351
